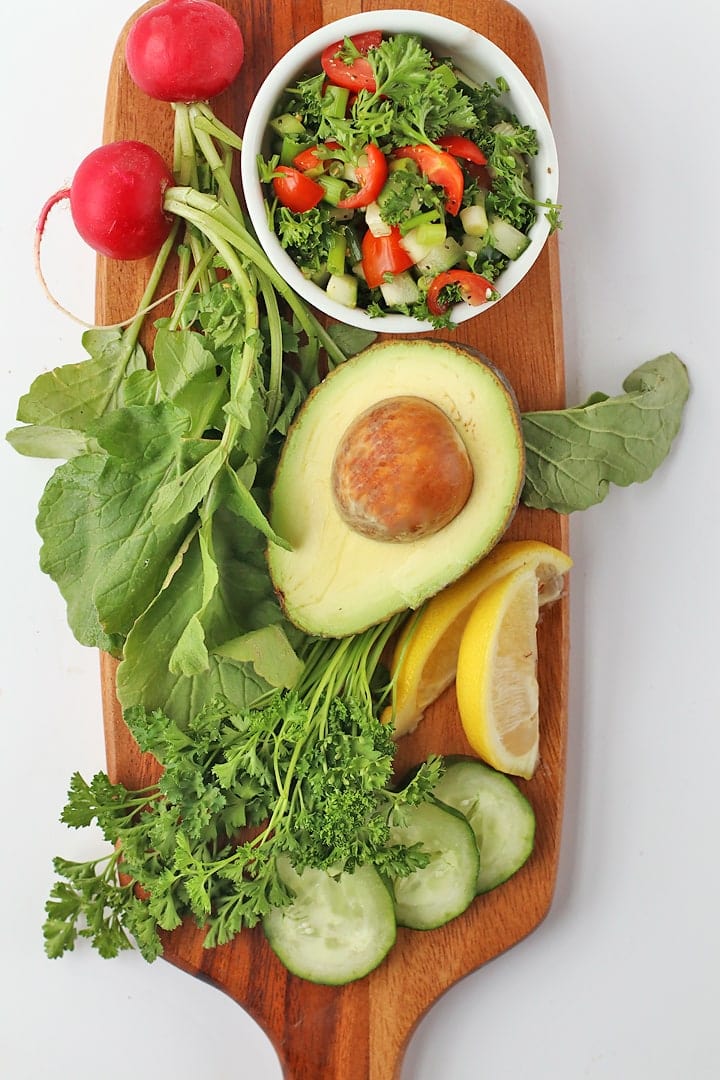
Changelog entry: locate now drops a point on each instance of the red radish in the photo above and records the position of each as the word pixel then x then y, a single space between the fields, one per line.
pixel 116 200
pixel 184 50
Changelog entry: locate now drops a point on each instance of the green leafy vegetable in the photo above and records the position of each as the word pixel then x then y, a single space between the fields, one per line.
pixel 308 235
pixel 238 599
pixel 309 771
pixel 573 455
pixel 154 527
pixel 420 98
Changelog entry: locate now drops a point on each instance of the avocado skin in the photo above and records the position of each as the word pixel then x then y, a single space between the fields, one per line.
pixel 335 582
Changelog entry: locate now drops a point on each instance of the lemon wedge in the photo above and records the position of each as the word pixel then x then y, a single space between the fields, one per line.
pixel 496 680
pixel 425 658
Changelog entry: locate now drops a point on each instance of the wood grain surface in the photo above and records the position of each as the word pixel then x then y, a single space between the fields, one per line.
pixel 359 1032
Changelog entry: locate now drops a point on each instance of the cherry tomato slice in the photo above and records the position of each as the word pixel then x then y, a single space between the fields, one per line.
pixel 358 74
pixel 296 191
pixel 383 255
pixel 308 159
pixel 440 168
pixel 473 288
pixel 371 173
pixel 464 148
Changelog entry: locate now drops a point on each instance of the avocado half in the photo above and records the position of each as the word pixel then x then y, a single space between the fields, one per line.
pixel 335 581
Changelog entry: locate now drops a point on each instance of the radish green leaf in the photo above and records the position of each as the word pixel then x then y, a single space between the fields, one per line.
pixel 573 455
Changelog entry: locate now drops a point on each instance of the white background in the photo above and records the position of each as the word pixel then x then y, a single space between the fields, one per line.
pixel 620 981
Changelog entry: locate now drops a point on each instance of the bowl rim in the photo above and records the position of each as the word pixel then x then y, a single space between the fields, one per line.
pixel 426 25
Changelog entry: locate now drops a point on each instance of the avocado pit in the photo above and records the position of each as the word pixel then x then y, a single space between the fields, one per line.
pixel 401 470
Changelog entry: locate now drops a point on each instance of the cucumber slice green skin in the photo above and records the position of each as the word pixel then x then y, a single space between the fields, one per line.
pixel 478 830
pixel 500 816
pixel 337 929
pixel 438 892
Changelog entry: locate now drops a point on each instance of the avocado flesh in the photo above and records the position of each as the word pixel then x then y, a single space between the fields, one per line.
pixel 335 581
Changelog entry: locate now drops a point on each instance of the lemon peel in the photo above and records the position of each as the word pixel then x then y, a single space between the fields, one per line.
pixel 425 658
pixel 496 681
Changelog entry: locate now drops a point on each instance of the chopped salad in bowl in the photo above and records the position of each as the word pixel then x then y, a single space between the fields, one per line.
pixel 399 166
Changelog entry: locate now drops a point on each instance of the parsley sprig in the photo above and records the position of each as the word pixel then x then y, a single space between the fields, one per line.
pixel 305 773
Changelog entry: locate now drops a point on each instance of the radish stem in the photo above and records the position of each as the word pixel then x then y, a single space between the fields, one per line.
pixel 209 215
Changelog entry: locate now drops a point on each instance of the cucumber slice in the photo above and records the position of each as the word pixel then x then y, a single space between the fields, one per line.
pixel 421 240
pixel 414 246
pixel 288 124
pixel 506 238
pixel 374 220
pixel 500 816
pixel 442 257
pixel 337 928
pixel 474 219
pixel 443 889
pixel 343 289
pixel 402 289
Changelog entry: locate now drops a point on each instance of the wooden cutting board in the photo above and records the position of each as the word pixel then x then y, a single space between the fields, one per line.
pixel 359 1032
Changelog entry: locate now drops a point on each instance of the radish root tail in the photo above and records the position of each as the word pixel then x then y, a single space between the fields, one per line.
pixel 58 197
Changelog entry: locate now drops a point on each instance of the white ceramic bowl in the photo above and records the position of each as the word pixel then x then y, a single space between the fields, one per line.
pixel 482 61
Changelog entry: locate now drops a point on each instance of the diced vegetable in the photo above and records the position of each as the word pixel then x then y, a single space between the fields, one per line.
pixel 402 290
pixel 371 172
pixel 287 124
pixel 336 253
pixel 440 168
pixel 462 147
pixel 383 255
pixel 441 257
pixel 472 288
pixel 334 189
pixel 343 288
pixel 375 222
pixel 295 190
pixel 506 238
pixel 351 69
pixel 474 219
pixel 416 247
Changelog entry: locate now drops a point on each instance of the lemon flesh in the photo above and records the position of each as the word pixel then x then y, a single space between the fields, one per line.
pixel 496 682
pixel 425 658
